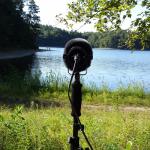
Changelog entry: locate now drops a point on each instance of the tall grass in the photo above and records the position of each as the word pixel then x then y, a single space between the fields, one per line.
pixel 54 87
pixel 49 129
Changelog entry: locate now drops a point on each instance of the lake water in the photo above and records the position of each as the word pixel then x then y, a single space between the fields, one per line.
pixel 110 66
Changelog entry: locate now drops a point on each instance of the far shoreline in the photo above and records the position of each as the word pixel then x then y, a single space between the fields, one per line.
pixel 122 49
pixel 22 53
pixel 102 48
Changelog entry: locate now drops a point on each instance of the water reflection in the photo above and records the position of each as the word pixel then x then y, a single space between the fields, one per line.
pixel 21 64
pixel 47 61
pixel 109 66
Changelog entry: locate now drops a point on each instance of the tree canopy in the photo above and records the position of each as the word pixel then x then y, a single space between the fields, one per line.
pixel 107 15
pixel 18 29
pixel 52 36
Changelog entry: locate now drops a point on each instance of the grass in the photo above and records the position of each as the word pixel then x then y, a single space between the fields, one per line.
pixel 48 128
pixel 54 88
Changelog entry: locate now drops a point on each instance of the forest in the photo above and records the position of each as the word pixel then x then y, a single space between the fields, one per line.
pixel 53 36
pixel 21 29
pixel 18 29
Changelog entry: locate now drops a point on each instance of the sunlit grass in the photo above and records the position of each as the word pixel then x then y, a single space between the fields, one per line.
pixel 35 127
pixel 49 129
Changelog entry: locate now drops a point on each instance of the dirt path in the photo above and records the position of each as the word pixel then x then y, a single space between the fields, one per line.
pixel 19 53
pixel 125 108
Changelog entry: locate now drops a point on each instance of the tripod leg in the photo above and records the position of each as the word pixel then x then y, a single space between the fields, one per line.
pixel 76 99
pixel 74 140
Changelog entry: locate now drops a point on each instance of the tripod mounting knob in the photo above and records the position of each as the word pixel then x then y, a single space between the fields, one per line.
pixel 71 139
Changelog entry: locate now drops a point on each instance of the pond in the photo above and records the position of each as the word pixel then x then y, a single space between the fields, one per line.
pixel 112 67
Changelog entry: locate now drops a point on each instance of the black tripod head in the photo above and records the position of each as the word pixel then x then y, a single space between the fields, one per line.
pixel 80 48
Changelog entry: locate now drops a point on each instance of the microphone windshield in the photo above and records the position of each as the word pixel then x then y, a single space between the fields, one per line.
pixel 83 49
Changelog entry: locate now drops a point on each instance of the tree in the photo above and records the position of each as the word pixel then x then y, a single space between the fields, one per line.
pixel 15 30
pixel 33 18
pixel 10 22
pixel 110 11
pixel 93 40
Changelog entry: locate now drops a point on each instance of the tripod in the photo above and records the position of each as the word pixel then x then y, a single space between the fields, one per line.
pixel 76 99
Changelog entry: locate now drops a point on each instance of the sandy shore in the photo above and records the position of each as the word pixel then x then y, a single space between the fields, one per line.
pixel 19 53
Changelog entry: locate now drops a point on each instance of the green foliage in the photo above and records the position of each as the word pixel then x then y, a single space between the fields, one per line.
pixel 32 18
pixel 17 29
pixel 17 133
pixel 52 36
pixel 14 129
pixel 103 12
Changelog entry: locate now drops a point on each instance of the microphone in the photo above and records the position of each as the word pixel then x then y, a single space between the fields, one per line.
pixel 80 50
pixel 77 57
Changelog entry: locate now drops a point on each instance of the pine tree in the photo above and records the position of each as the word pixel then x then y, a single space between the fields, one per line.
pixel 16 31
pixel 33 18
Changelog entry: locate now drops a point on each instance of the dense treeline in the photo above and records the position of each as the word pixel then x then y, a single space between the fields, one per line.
pixel 18 29
pixel 112 40
pixel 52 36
pixel 108 39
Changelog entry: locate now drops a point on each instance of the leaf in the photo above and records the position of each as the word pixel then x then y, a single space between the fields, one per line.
pixel 71 25
pixel 105 20
pixel 129 15
pixel 132 6
pixel 135 36
pixel 118 21
pixel 124 16
pixel 128 146
pixel 143 48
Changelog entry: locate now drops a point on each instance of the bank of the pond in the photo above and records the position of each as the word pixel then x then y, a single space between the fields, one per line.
pixel 54 88
pixel 18 53
pixel 36 124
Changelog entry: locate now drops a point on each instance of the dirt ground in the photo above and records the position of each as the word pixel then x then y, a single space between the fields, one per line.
pixel 120 108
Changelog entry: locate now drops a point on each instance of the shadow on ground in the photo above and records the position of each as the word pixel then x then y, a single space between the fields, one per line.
pixel 27 102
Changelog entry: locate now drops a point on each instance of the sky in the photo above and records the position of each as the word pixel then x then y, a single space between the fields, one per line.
pixel 50 8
